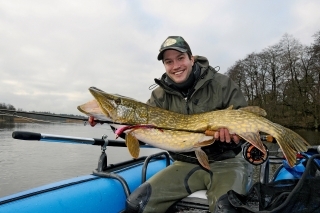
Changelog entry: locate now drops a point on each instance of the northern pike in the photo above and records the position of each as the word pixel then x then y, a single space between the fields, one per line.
pixel 246 122
pixel 175 141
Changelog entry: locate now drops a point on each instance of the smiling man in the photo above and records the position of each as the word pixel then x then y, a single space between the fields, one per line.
pixel 178 66
pixel 190 85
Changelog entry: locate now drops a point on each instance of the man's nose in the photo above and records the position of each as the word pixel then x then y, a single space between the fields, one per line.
pixel 176 65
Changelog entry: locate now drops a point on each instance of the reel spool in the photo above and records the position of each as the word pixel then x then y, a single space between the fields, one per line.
pixel 253 155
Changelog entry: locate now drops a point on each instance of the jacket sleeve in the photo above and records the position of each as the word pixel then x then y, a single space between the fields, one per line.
pixel 152 101
pixel 231 93
pixel 156 99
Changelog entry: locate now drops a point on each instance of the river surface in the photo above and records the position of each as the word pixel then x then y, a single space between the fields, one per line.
pixel 28 164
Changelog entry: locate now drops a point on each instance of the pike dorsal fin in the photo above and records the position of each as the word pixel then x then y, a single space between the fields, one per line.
pixel 133 145
pixel 230 107
pixel 255 110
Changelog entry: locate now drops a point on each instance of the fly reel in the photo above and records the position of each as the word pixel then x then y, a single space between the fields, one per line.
pixel 253 155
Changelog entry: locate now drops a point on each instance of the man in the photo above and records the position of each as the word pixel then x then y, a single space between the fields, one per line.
pixel 190 86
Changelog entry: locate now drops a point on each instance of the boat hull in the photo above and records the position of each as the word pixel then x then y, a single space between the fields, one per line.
pixel 88 193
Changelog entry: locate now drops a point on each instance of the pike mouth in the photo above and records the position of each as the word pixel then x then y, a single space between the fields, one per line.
pixel 92 108
pixel 106 102
pixel 122 129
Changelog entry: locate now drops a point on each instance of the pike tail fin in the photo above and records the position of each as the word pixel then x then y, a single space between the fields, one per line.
pixel 290 143
pixel 202 158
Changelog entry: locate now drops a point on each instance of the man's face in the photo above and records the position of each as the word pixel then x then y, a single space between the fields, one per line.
pixel 178 65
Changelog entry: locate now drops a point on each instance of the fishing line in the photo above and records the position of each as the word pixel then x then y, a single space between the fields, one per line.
pixel 14 114
pixel 33 121
pixel 187 156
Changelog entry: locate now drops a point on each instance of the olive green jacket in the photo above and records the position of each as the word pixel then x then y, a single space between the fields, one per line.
pixel 212 91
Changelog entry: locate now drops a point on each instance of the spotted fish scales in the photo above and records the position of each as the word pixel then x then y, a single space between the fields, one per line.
pixel 246 122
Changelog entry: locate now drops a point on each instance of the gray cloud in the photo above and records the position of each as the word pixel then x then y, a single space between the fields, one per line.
pixel 52 51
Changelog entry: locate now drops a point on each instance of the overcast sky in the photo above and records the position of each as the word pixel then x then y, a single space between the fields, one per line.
pixel 51 52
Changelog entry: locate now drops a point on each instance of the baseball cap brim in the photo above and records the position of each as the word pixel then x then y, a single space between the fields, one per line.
pixel 160 55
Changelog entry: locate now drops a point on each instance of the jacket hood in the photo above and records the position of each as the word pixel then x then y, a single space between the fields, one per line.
pixel 201 60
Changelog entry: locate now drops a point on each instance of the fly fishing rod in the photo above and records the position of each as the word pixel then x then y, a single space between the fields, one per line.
pixel 33 136
pixel 14 112
pixel 104 142
pixel 80 118
pixel 250 153
pixel 85 119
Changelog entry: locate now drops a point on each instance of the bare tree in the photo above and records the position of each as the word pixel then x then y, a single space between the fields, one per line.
pixel 284 79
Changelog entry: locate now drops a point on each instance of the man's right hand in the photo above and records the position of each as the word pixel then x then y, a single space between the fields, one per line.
pixel 223 135
pixel 91 121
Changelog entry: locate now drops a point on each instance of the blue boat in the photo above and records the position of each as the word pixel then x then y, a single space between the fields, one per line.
pixel 108 187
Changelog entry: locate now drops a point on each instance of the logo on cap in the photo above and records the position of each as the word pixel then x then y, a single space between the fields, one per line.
pixel 169 42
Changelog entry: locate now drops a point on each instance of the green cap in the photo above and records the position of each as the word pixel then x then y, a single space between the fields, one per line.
pixel 174 43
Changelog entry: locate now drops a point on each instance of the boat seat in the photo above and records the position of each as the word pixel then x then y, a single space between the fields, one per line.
pixel 197 200
pixel 201 194
pixel 197 197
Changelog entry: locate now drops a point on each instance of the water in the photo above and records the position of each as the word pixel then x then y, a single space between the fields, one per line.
pixel 28 164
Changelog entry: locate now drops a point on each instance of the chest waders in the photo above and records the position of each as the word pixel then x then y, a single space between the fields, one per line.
pixel 182 179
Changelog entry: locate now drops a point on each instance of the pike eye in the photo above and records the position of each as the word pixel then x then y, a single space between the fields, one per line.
pixel 117 101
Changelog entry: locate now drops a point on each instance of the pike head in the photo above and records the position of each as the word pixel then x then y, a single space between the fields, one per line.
pixel 120 109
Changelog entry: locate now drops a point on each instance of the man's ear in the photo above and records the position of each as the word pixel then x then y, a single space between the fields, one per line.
pixel 192 59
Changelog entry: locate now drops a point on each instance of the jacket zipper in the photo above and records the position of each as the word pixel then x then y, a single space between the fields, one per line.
pixel 187 106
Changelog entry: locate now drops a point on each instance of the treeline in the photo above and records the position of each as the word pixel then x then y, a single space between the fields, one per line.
pixel 284 79
pixel 7 106
pixel 3 116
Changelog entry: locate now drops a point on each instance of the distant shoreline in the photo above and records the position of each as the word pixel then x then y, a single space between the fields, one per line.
pixel 20 120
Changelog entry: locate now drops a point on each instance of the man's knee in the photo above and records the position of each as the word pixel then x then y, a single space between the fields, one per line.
pixel 138 199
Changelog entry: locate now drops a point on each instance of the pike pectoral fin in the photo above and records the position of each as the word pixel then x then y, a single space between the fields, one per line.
pixel 254 139
pixel 202 158
pixel 133 145
pixel 204 143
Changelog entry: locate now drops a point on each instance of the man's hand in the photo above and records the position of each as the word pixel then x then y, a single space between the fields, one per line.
pixel 223 135
pixel 91 121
